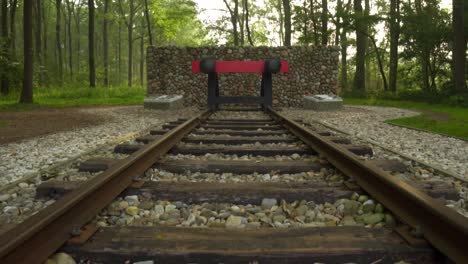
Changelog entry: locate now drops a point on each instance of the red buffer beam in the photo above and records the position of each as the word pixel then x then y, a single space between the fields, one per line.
pixel 239 67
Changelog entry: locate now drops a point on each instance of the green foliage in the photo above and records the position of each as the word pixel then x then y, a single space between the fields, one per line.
pixel 76 96
pixel 426 33
pixel 10 68
pixel 177 22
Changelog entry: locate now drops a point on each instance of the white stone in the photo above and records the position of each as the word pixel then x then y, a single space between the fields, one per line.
pixel 234 221
pixel 4 197
pixel 23 185
pixel 63 258
pixel 268 203
pixel 132 199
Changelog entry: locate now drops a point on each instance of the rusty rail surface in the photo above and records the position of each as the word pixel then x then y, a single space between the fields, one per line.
pixel 441 226
pixel 39 236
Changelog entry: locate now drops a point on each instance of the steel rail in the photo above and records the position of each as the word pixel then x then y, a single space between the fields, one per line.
pixel 39 236
pixel 444 228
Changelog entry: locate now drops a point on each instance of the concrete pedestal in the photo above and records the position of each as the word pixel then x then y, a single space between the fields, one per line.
pixel 323 102
pixel 164 102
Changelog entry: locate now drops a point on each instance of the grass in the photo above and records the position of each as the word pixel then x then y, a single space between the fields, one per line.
pixel 3 124
pixel 437 118
pixel 75 96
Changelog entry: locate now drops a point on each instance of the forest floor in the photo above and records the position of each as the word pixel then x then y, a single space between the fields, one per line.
pixel 437 118
pixel 57 109
pixel 19 125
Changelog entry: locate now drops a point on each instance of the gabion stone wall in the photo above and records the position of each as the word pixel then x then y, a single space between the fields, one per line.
pixel 312 69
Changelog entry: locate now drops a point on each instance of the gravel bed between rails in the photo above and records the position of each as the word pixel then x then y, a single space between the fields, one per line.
pixel 29 156
pixel 239 115
pixel 367 122
pixel 210 156
pixel 136 210
pixel 324 175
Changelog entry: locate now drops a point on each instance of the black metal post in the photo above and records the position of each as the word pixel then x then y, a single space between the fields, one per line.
pixel 267 89
pixel 213 89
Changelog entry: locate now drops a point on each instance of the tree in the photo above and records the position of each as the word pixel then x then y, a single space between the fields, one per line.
pixel 133 10
pixel 4 47
pixel 13 7
pixel 27 91
pixel 459 46
pixel 105 43
pixel 249 35
pixel 343 14
pixel 70 40
pixel 324 22
pixel 425 34
pixel 394 21
pixel 92 67
pixel 359 76
pixel 148 23
pixel 287 22
pixel 281 21
pixel 58 43
pixel 38 34
pixel 234 19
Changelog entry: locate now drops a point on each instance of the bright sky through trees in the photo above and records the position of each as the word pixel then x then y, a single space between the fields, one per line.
pixel 212 10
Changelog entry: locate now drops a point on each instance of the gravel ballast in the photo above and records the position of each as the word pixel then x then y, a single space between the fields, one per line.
pixel 29 156
pixel 367 122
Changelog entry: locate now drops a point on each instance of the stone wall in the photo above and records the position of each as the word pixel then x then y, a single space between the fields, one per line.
pixel 312 69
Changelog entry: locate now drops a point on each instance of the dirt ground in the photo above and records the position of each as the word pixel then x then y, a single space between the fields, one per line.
pixel 16 126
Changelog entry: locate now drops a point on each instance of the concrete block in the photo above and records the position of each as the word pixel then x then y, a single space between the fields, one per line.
pixel 164 102
pixel 323 102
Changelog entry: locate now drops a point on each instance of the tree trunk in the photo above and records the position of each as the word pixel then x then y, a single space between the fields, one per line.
pixel 4 46
pixel 27 91
pixel 379 61
pixel 324 22
pixel 130 43
pixel 315 35
pixel 119 46
pixel 459 46
pixel 148 23
pixel 339 11
pixel 105 43
pixel 359 76
pixel 142 58
pixel 366 40
pixel 78 44
pixel 305 29
pixel 13 7
pixel 58 44
pixel 92 67
pixel 70 40
pixel 240 20
pixel 394 39
pixel 287 22
pixel 344 63
pixel 44 33
pixel 234 18
pixel 281 22
pixel 38 35
pixel 247 27
pixel 424 54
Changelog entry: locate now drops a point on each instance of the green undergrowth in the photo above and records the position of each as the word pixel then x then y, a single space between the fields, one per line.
pixel 437 118
pixel 58 97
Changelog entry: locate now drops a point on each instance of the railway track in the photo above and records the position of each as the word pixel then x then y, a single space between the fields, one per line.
pixel 259 190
